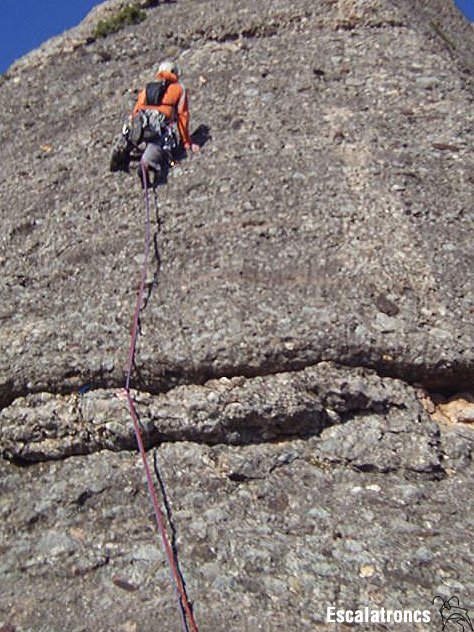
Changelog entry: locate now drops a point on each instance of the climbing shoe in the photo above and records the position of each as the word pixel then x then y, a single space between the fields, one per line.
pixel 120 158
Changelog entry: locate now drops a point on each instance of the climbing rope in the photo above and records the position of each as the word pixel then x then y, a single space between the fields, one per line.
pixel 187 617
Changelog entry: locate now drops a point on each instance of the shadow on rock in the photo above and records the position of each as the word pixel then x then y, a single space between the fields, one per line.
pixel 201 135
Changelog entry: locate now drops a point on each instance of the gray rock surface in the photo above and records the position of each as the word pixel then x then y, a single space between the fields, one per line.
pixel 269 535
pixel 323 221
pixel 315 270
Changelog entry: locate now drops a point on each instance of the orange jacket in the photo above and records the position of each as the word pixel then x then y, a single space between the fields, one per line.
pixel 174 105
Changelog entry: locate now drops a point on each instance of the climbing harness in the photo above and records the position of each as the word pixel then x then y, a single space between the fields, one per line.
pixel 144 126
pixel 187 617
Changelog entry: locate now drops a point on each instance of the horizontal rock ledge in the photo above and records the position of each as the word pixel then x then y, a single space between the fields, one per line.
pixel 236 411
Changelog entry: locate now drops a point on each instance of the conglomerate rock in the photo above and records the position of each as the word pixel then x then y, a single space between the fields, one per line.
pixel 268 538
pixel 327 219
pixel 311 290
pixel 233 411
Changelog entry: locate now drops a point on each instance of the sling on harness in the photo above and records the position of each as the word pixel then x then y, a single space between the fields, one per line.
pixel 146 125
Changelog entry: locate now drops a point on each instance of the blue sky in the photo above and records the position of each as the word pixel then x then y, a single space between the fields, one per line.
pixel 467 7
pixel 25 24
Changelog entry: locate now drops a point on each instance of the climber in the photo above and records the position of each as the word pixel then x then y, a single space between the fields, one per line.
pixel 159 107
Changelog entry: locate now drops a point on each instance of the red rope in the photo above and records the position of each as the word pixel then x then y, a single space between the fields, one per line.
pixel 187 613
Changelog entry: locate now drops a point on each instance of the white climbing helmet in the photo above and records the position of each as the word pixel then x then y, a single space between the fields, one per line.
pixel 169 66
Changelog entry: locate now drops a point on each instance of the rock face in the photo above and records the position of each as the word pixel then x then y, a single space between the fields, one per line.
pixel 312 276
